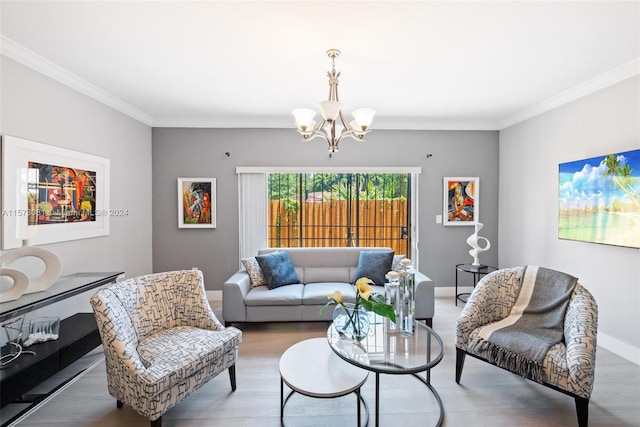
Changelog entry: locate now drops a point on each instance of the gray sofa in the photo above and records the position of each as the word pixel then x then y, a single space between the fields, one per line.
pixel 321 271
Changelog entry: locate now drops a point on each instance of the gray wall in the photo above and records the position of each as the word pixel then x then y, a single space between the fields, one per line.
pixel 602 123
pixel 201 153
pixel 40 109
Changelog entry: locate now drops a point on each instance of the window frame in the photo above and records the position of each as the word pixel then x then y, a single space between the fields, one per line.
pixel 252 201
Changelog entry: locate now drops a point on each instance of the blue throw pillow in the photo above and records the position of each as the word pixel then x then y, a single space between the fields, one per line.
pixel 278 269
pixel 375 265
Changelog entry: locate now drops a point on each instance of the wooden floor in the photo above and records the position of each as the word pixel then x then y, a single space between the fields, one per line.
pixel 487 396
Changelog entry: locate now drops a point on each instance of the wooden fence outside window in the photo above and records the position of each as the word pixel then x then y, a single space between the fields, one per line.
pixel 339 223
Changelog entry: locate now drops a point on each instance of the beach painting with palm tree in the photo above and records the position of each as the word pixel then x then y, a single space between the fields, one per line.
pixel 599 199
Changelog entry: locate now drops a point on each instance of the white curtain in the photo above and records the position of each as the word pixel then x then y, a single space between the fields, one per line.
pixel 415 256
pixel 252 199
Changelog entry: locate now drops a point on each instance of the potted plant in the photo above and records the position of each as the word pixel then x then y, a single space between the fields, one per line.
pixel 352 320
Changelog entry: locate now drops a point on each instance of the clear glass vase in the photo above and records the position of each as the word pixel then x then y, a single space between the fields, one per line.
pixel 350 322
pixel 407 298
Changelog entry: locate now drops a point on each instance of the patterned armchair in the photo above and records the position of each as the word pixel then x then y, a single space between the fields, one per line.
pixel 161 340
pixel 568 366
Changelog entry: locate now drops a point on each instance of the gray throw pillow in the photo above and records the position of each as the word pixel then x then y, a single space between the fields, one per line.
pixel 375 265
pixel 278 269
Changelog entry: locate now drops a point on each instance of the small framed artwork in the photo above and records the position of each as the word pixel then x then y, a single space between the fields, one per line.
pixel 52 194
pixel 196 203
pixel 460 203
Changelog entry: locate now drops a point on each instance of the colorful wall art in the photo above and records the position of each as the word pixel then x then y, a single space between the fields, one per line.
pixel 61 194
pixel 461 204
pixel 52 194
pixel 599 199
pixel 196 202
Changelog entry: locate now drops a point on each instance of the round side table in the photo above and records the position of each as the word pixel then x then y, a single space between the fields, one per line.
pixel 312 369
pixel 477 270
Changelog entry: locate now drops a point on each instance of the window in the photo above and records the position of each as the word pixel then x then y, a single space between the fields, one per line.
pixel 339 209
pixel 311 200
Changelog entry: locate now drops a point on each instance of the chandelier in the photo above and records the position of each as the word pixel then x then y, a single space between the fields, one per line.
pixel 333 127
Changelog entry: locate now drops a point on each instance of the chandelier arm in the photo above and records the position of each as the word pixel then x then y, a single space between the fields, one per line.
pixel 319 129
pixel 317 132
pixel 344 121
pixel 348 129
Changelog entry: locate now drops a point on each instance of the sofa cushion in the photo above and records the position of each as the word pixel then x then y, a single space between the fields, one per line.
pixel 374 265
pixel 278 269
pixel 284 295
pixel 182 351
pixel 326 274
pixel 317 293
pixel 254 271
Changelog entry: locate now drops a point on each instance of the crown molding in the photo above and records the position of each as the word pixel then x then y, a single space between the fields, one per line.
pixel 623 72
pixel 286 122
pixel 27 57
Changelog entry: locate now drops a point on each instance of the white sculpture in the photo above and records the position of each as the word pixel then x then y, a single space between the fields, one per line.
pixel 52 270
pixel 473 241
pixel 17 288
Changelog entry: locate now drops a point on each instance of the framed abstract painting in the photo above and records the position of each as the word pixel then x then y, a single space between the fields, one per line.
pixel 52 194
pixel 599 199
pixel 196 203
pixel 461 204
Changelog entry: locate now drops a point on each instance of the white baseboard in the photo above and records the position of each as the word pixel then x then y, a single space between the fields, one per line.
pixel 449 291
pixel 622 349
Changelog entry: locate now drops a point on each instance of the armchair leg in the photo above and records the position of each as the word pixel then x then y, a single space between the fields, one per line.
pixel 232 377
pixel 157 423
pixel 460 364
pixel 119 404
pixel 582 408
pixel 429 322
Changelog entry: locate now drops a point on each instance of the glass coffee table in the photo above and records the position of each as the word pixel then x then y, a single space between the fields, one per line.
pixel 393 353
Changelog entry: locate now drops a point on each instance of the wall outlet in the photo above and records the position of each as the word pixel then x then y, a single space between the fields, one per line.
pixel 438 219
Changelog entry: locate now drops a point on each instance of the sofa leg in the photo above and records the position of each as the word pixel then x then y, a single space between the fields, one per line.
pixel 460 363
pixel 429 322
pixel 119 404
pixel 232 377
pixel 582 408
pixel 157 423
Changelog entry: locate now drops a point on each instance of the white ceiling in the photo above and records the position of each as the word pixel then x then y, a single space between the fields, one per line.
pixel 420 64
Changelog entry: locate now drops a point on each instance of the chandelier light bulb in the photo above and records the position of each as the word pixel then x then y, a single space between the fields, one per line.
pixel 364 117
pixel 330 110
pixel 304 118
pixel 357 130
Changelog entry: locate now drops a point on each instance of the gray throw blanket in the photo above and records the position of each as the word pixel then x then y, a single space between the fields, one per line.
pixel 520 341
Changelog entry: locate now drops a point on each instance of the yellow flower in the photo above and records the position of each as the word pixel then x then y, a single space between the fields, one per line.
pixel 336 296
pixel 363 285
pixel 364 298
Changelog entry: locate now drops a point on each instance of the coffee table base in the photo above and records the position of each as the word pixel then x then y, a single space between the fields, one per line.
pixel 426 382
pixel 283 403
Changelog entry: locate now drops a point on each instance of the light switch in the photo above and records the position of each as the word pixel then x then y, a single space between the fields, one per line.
pixel 438 219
